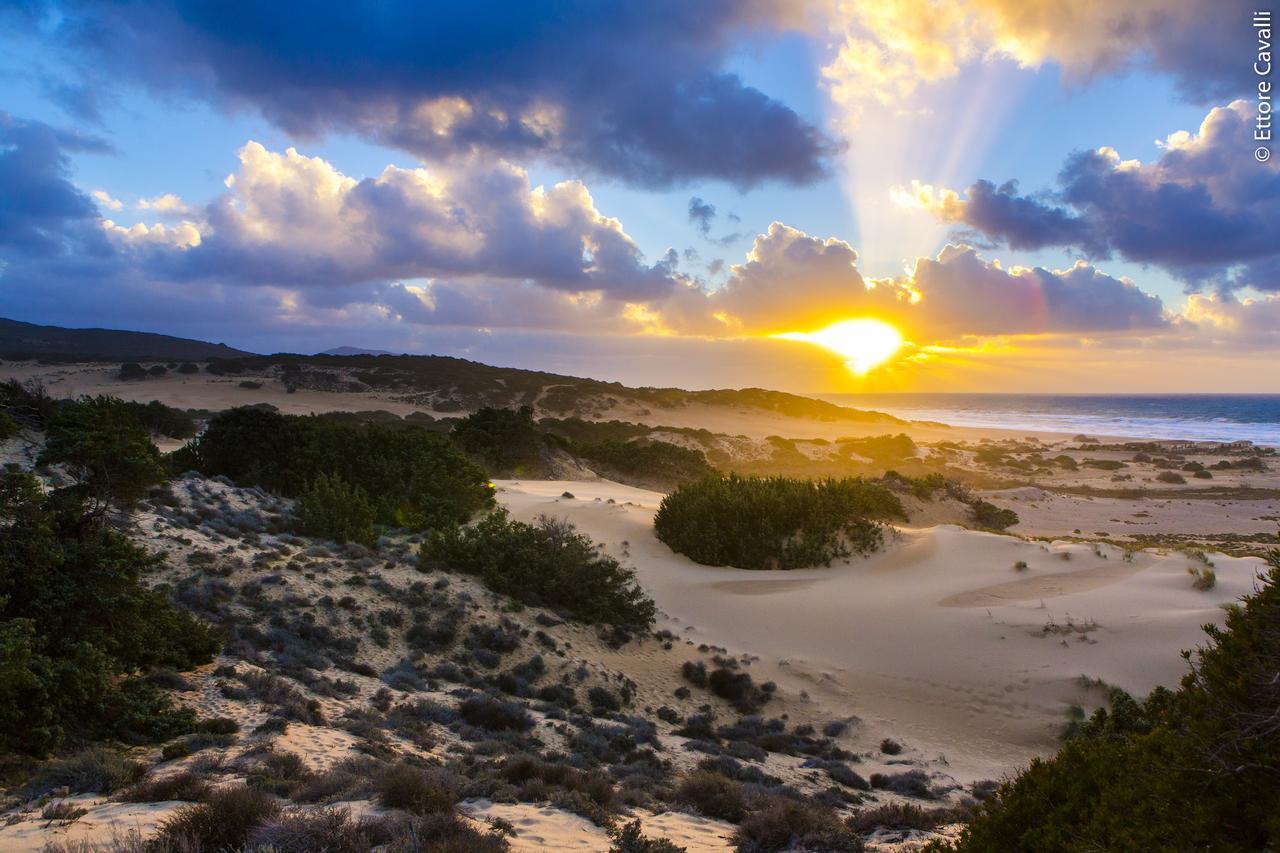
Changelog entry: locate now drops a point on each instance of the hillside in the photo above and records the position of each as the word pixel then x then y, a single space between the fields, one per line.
pixel 445 384
pixel 27 340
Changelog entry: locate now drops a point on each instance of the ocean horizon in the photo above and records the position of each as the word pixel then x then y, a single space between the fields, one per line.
pixel 1188 417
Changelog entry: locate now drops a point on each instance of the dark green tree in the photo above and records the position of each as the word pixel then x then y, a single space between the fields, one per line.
pixel 332 509
pixel 106 449
pixel 548 564
pixel 74 617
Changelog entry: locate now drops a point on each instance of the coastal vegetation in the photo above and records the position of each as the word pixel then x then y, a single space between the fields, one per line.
pixel 775 522
pixel 547 564
pixel 77 626
pixel 409 477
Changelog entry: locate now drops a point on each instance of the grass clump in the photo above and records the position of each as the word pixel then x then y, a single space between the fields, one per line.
pixel 547 564
pixel 774 522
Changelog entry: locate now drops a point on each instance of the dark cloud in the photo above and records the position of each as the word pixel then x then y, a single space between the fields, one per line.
pixel 1206 211
pixel 41 212
pixel 702 214
pixel 633 91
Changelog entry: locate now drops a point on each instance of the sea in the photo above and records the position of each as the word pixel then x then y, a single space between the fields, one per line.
pixel 1189 417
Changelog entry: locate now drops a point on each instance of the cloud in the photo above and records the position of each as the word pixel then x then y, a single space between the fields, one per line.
pixel 41 211
pixel 1205 209
pixel 888 48
pixel 166 204
pixel 296 221
pixel 960 294
pixel 105 199
pixel 636 92
pixel 295 244
pixel 792 281
pixel 701 214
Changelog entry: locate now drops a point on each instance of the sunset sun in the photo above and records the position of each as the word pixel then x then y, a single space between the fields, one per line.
pixel 863 343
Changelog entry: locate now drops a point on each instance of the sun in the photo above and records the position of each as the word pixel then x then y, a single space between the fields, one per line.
pixel 864 343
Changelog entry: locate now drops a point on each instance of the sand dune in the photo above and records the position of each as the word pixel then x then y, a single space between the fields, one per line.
pixel 937 639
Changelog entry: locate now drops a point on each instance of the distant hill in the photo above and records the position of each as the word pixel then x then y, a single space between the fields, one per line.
pixel 440 383
pixel 355 351
pixel 27 340
pixel 447 384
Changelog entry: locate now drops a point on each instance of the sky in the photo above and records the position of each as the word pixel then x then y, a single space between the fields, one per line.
pixel 888 195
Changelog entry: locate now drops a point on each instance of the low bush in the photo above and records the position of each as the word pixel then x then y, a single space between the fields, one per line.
pixel 712 794
pixel 415 790
pixel 505 441
pixel 774 522
pixel 1171 477
pixel 177 786
pixel 328 830
pixel 991 517
pixel 901 816
pixel 655 461
pixel 630 838
pixel 96 770
pixel 548 564
pixel 779 823
pixel 486 712
pixel 224 821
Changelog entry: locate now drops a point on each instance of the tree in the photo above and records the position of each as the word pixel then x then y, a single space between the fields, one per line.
pixel 332 509
pixel 73 618
pixel 106 449
pixel 505 440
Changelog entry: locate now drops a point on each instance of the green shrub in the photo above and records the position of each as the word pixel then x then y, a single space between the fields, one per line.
pixel 73 618
pixel 657 461
pixel 106 449
pixel 881 449
pixel 1192 769
pixel 1171 477
pixel 506 441
pixel 331 509
pixel 548 564
pixel 991 517
pixel 412 477
pixel 8 426
pixel 774 522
